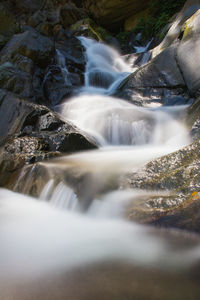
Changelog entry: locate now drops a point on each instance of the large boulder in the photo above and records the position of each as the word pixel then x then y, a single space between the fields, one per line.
pixel 111 13
pixel 159 81
pixel 16 80
pixel 188 53
pixel 30 133
pixel 30 44
pixel 190 7
pixel 70 14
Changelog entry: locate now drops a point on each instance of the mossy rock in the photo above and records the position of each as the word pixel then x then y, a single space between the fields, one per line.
pixel 89 28
pixel 132 22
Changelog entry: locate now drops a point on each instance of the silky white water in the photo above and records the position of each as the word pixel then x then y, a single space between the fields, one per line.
pixel 51 234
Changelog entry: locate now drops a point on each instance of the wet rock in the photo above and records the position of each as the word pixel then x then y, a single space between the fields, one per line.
pixel 66 75
pixel 29 44
pixel 16 153
pixel 193 119
pixel 88 28
pixel 178 174
pixel 158 81
pixel 31 133
pixel 72 51
pixel 19 117
pixel 59 84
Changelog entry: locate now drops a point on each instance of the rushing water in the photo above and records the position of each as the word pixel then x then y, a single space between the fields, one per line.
pixel 53 234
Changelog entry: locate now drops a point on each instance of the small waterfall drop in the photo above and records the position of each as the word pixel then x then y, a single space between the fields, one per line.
pixel 105 67
pixel 61 62
pixel 116 122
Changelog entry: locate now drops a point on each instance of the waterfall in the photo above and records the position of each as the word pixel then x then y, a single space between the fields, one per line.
pixel 104 68
pixel 116 122
pixel 53 234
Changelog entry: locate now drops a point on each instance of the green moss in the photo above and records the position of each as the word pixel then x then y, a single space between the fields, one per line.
pixel 89 28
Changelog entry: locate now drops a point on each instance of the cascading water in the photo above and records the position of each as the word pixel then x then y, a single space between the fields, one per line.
pixel 129 136
pixel 105 68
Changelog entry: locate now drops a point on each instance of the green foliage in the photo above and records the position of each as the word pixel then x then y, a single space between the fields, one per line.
pixel 123 36
pixel 160 13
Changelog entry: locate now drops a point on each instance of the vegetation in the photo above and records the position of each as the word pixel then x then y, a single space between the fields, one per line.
pixel 160 13
pixel 151 25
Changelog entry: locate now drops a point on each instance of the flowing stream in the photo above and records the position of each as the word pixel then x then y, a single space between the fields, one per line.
pixel 53 234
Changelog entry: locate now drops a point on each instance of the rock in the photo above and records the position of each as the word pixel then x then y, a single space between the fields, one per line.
pixel 15 80
pixel 44 21
pixel 67 72
pixel 28 6
pixel 190 7
pixel 70 14
pixel 158 81
pixel 59 84
pixel 19 117
pixel 30 133
pixel 187 55
pixel 178 174
pixel 88 28
pixel 8 24
pixel 29 44
pixel 111 14
pixel 193 119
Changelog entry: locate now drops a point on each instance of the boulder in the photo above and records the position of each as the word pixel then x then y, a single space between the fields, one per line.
pixel 28 6
pixel 178 174
pixel 21 118
pixel 70 14
pixel 193 119
pixel 159 81
pixel 188 53
pixel 29 44
pixel 111 14
pixel 15 80
pixel 175 30
pixel 30 133
pixel 8 24
pixel 44 21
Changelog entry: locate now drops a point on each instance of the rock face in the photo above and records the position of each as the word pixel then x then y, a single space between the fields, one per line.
pixel 112 13
pixel 178 173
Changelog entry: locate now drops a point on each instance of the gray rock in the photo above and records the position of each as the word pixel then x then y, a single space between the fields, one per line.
pixel 158 81
pixel 15 80
pixel 188 53
pixel 29 44
pixel 178 174
pixel 70 14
